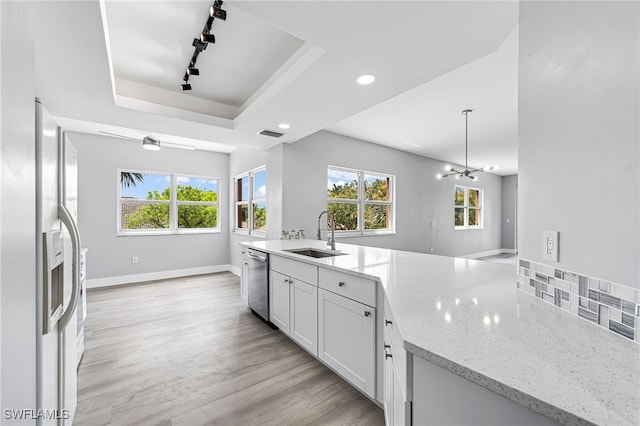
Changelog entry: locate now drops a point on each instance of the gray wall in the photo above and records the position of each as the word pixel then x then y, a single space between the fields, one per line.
pixel 509 199
pixel 578 135
pixel 424 205
pixel 99 157
pixel 17 198
pixel 240 161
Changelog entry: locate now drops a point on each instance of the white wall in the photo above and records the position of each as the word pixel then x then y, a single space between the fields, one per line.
pixel 17 218
pixel 509 189
pixel 579 135
pixel 99 157
pixel 241 161
pixel 424 205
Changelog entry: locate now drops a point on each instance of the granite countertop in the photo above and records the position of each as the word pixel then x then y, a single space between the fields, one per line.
pixel 467 316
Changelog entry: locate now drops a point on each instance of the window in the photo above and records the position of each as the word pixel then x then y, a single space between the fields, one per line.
pixel 361 202
pixel 251 202
pixel 166 203
pixel 468 207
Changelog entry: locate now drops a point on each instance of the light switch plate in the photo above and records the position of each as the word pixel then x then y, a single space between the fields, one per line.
pixel 550 245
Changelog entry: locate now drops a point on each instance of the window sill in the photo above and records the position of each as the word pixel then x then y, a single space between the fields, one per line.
pixel 158 233
pixel 467 228
pixel 352 234
pixel 255 234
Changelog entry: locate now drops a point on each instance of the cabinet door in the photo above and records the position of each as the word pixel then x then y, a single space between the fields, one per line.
pixel 388 388
pixel 244 281
pixel 400 407
pixel 346 339
pixel 279 300
pixel 304 314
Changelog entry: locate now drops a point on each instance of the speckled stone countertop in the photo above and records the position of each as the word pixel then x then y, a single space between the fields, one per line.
pixel 467 316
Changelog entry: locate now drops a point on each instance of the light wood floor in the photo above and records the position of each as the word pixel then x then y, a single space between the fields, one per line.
pixel 188 352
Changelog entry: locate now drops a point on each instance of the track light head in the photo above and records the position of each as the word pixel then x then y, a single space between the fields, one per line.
pixel 207 38
pixel 199 44
pixel 218 13
pixel 186 86
pixel 193 71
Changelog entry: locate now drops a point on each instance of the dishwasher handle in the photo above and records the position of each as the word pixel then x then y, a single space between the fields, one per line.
pixel 259 258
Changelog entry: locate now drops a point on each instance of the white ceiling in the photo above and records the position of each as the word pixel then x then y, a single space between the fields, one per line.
pixel 117 65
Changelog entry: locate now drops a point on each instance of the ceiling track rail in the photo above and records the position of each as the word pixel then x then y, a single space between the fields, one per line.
pixel 200 44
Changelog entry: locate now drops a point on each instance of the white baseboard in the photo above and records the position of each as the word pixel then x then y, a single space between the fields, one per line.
pixel 235 270
pixel 150 276
pixel 489 253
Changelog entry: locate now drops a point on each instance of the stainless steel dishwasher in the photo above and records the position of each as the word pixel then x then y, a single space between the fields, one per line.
pixel 258 283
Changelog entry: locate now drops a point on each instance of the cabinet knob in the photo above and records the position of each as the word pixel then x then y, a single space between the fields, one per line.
pixel 387 322
pixel 290 281
pixel 387 346
pixel 367 313
pixel 341 284
pixel 286 280
pixel 387 355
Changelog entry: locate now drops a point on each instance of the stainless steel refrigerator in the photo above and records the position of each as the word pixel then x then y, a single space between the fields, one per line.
pixel 58 272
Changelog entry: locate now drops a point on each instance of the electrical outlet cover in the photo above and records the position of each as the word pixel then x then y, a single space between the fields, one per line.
pixel 550 245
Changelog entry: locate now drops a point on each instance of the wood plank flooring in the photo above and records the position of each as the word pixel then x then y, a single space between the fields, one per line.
pixel 188 352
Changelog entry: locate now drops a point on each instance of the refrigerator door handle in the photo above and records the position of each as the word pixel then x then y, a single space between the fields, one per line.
pixel 68 221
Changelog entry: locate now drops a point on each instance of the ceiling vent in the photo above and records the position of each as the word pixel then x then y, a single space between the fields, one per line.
pixel 271 133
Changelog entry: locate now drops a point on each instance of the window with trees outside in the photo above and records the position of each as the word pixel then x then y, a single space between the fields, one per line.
pixel 251 202
pixel 468 207
pixel 361 202
pixel 165 203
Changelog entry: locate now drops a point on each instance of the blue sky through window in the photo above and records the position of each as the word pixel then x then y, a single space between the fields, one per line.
pixel 259 185
pixel 151 182
pixel 160 182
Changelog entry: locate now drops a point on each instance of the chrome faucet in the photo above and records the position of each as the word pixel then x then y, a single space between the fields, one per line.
pixel 332 223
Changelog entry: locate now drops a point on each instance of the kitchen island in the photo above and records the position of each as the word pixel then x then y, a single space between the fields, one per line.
pixel 466 319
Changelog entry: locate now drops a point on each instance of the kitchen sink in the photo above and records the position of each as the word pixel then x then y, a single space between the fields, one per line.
pixel 311 252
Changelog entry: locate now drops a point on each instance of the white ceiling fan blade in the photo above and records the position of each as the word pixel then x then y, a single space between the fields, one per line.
pixel 119 136
pixel 177 145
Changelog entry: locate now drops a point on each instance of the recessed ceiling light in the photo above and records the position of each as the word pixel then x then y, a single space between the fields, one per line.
pixel 366 79
pixel 284 126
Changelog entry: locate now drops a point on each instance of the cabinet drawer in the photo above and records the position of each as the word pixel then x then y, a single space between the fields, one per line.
pixel 356 288
pixel 294 269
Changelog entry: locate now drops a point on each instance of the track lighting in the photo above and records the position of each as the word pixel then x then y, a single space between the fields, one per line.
pixel 207 38
pixel 217 12
pixel 200 43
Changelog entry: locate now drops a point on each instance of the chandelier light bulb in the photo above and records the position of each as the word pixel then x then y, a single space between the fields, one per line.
pixel 448 167
pixel 473 178
pixel 459 176
pixel 487 168
pixel 439 176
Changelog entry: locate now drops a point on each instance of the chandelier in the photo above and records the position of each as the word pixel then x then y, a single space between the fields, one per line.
pixel 466 172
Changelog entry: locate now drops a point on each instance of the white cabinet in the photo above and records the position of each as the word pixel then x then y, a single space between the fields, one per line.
pixel 293 303
pixel 244 278
pixel 397 389
pixel 303 315
pixel 279 300
pixel 346 339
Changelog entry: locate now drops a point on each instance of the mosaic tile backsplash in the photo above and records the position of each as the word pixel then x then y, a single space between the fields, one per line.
pixel 613 306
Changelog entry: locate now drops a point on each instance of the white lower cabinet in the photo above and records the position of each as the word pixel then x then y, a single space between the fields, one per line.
pixel 397 389
pixel 244 279
pixel 279 300
pixel 303 315
pixel 293 308
pixel 346 339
